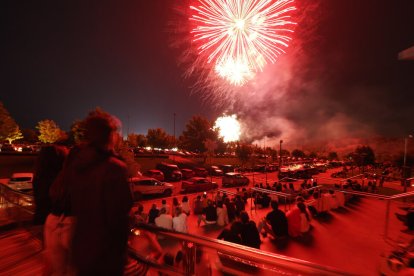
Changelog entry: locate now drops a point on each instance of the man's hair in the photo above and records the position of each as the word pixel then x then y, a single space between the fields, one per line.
pixel 274 204
pixel 244 217
pixel 300 199
pixel 99 127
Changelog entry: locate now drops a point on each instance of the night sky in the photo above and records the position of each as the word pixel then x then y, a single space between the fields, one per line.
pixel 61 59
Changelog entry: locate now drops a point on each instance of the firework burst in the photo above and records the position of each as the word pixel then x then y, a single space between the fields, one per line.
pixel 229 128
pixel 239 37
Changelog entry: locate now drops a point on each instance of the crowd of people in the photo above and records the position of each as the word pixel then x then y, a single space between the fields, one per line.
pixel 228 212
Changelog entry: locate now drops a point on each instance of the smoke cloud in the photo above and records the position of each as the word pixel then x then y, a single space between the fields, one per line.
pixel 297 99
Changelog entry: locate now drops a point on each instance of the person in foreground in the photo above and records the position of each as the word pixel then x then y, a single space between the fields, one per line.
pixel 100 199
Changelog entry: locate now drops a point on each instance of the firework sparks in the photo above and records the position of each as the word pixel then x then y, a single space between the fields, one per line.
pixel 229 128
pixel 240 37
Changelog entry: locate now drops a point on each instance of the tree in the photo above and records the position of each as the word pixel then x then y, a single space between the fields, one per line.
pixel 363 155
pixel 137 140
pixel 9 130
pixel 196 132
pixel 29 135
pixel 244 152
pixel 132 140
pixel 142 140
pixel 298 153
pixel 272 152
pixel 49 132
pixel 284 153
pixel 221 146
pixel 158 138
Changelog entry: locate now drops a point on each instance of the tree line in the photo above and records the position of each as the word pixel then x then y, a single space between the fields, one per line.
pixel 199 136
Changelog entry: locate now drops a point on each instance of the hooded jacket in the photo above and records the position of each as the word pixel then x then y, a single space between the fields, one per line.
pixel 100 199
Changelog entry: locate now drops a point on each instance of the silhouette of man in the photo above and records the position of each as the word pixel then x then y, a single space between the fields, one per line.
pixel 100 199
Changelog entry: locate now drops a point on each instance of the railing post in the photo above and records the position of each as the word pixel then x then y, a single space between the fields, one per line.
pixel 190 255
pixel 387 214
pixel 251 205
pixel 255 208
pixel 286 203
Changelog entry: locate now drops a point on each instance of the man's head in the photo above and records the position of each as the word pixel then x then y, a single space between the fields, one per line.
pixel 101 129
pixel 300 199
pixel 244 217
pixel 178 211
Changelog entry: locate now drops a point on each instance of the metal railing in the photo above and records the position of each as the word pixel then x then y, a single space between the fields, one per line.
pixel 18 206
pixel 286 196
pixel 227 192
pixel 262 260
pixel 388 199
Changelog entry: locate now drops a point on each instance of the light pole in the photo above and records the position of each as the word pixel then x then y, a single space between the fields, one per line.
pixel 404 175
pixel 174 132
pixel 175 143
pixel 265 154
pixel 280 156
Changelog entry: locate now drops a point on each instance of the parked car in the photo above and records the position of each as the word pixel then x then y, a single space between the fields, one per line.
pixel 187 173
pixel 21 182
pixel 149 186
pixel 227 168
pixel 216 171
pixel 202 172
pixel 171 171
pixel 6 148
pixel 197 184
pixel 234 179
pixel 260 168
pixel 157 174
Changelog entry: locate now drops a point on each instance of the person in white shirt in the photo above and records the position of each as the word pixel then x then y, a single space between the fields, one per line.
pixel 304 218
pixel 180 221
pixel 164 220
pixel 222 216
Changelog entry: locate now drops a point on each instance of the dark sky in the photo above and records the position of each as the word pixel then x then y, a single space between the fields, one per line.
pixel 60 59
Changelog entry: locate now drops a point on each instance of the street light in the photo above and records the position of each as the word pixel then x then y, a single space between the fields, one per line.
pixel 404 175
pixel 280 156
pixel 174 131
pixel 175 141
